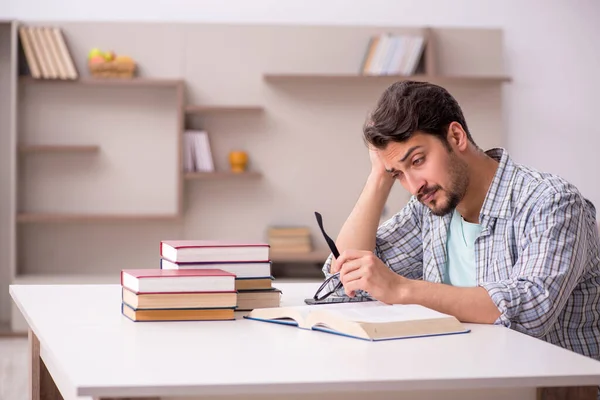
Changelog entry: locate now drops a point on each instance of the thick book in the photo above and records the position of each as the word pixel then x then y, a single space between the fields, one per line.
pixel 241 269
pixel 181 251
pixel 253 283
pixel 175 314
pixel 258 298
pixel 372 320
pixel 177 280
pixel 148 301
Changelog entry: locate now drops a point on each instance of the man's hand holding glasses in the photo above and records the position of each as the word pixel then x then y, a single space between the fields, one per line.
pixel 361 270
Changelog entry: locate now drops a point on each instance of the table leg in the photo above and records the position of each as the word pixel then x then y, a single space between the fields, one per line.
pixel 42 386
pixel 568 393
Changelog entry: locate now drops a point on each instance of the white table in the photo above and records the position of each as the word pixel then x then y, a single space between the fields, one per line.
pixel 89 349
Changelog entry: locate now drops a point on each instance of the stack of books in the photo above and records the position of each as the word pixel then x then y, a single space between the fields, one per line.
pixel 178 295
pixel 289 239
pixel 249 262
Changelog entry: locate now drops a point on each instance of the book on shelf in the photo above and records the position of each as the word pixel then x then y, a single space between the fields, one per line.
pixel 241 269
pixel 45 54
pixel 197 155
pixel 181 251
pixel 370 320
pixel 393 54
pixel 289 239
pixel 178 314
pixel 177 281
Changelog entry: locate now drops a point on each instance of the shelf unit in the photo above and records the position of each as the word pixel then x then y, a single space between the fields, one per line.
pixel 51 148
pixel 222 175
pixel 312 93
pixel 135 82
pixel 347 78
pixel 222 109
pixel 29 218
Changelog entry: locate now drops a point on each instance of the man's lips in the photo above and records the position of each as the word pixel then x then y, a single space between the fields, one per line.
pixel 428 197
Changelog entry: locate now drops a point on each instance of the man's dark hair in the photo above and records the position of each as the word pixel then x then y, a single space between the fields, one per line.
pixel 407 107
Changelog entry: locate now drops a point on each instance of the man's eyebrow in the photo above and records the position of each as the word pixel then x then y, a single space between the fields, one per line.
pixel 409 152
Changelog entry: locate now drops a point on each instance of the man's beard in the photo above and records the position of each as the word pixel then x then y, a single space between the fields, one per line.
pixel 459 181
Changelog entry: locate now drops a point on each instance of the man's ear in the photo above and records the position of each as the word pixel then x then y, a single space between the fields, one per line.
pixel 457 136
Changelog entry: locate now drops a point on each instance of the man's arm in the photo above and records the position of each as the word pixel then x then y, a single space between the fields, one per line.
pixel 530 301
pixel 359 230
pixel 554 258
pixel 398 248
pixel 363 271
pixel 470 304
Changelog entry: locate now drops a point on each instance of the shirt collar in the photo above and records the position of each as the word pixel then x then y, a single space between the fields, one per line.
pixel 497 199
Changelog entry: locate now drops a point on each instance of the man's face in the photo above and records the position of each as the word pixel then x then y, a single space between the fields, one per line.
pixel 428 170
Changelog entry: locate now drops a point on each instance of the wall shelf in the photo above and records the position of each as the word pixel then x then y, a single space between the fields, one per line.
pixel 61 217
pixel 224 109
pixel 365 78
pixel 221 175
pixel 140 82
pixel 42 148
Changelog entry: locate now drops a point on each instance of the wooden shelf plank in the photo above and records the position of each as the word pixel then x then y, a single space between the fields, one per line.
pixel 318 256
pixel 61 217
pixel 141 82
pixel 357 77
pixel 67 279
pixel 222 175
pixel 218 109
pixel 44 148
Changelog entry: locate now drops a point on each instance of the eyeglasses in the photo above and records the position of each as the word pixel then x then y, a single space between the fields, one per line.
pixel 336 254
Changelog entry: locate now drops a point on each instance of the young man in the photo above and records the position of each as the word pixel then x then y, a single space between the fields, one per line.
pixel 482 238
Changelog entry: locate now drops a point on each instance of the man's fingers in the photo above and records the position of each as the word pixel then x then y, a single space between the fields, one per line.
pixel 350 266
pixel 350 276
pixel 352 287
pixel 348 255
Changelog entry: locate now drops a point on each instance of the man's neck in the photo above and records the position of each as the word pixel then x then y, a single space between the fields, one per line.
pixel 482 170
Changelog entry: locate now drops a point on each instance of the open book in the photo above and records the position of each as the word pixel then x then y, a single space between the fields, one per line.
pixel 372 320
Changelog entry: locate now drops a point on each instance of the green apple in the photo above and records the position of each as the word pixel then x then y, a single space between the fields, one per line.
pixel 109 55
pixel 94 52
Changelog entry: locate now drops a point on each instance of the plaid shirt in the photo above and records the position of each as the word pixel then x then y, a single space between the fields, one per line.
pixel 537 255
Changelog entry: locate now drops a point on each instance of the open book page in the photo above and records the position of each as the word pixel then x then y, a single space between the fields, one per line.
pixel 374 312
pixel 284 315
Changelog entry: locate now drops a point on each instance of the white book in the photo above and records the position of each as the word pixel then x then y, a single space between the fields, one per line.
pixel 370 320
pixel 206 152
pixel 201 153
pixel 399 50
pixel 188 152
pixel 241 269
pixel 415 56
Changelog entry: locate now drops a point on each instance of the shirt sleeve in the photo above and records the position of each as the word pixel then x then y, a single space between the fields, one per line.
pixel 552 260
pixel 398 244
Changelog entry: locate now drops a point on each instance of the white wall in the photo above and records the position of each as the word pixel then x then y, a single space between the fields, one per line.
pixel 551 49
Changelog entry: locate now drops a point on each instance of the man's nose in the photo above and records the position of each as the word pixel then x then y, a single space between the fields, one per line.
pixel 414 184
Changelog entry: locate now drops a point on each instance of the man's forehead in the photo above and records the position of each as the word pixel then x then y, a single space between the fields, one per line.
pixel 399 149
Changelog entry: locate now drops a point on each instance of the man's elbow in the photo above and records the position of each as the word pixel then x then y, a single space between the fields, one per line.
pixel 537 327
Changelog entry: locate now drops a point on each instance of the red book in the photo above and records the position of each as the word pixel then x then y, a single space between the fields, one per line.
pixel 177 280
pixel 213 251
